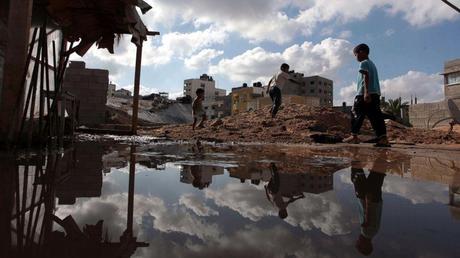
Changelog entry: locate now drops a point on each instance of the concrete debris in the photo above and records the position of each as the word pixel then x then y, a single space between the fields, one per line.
pixel 296 124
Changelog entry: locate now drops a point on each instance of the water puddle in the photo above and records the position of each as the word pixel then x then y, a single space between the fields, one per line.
pixel 189 200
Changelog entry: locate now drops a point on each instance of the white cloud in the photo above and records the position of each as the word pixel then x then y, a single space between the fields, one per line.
pixel 258 64
pixel 196 205
pixel 345 34
pixel 321 211
pixel 265 20
pixel 427 87
pixel 202 59
pixel 161 50
pixel 389 32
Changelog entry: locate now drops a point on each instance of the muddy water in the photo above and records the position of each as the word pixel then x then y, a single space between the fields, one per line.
pixel 189 200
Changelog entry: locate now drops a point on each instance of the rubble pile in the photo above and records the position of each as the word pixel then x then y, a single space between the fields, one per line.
pixel 295 124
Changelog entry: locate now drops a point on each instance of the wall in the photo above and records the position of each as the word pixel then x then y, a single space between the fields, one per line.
pixel 426 114
pixel 90 87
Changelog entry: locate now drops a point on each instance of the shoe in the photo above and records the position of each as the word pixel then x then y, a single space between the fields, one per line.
pixel 382 142
pixel 352 139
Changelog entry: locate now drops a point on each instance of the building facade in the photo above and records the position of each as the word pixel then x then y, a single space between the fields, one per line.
pixel 210 103
pixel 312 86
pixel 89 86
pixel 427 115
pixel 244 98
pixel 252 98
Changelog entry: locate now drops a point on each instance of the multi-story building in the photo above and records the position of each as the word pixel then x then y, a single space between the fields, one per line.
pixel 251 98
pixel 452 78
pixel 427 115
pixel 244 97
pixel 212 93
pixel 313 86
pixel 111 90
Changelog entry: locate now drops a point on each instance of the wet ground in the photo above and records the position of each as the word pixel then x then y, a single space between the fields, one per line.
pixel 199 200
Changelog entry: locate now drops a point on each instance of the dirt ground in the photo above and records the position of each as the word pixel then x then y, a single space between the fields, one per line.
pixel 296 124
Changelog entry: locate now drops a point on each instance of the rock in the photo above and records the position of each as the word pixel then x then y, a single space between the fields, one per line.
pixel 216 123
pixel 326 138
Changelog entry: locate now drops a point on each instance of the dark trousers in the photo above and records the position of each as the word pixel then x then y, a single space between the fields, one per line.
pixel 370 185
pixel 361 109
pixel 275 95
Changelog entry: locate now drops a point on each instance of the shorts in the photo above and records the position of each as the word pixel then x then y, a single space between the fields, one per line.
pixel 198 115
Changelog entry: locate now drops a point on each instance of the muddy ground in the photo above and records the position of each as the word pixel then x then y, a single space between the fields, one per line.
pixel 296 124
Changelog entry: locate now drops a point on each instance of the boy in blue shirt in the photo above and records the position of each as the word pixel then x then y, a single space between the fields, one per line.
pixel 367 100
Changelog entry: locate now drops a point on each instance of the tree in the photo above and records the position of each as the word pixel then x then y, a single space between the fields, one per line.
pixel 394 106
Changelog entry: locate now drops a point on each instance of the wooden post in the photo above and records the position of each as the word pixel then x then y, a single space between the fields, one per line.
pixel 137 80
pixel 19 22
pixel 132 176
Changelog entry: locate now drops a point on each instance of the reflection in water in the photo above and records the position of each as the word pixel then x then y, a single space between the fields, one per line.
pixel 368 190
pixel 33 182
pixel 211 201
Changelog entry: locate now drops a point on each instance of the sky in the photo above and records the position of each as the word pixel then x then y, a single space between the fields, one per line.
pixel 242 41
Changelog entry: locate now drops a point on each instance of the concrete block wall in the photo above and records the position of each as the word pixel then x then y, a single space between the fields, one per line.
pixel 426 114
pixel 85 178
pixel 90 87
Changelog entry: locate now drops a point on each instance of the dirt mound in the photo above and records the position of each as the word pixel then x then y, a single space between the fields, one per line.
pixel 294 124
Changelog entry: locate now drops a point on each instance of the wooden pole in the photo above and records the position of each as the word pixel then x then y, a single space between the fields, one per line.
pixel 137 80
pixel 19 22
pixel 132 176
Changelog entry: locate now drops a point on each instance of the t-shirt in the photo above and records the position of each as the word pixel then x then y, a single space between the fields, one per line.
pixel 197 106
pixel 280 79
pixel 374 217
pixel 374 85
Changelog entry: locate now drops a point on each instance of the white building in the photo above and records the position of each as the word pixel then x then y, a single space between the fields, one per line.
pixel 111 90
pixel 211 93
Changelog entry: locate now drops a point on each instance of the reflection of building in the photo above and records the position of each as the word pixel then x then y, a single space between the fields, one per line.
pixel 211 93
pixel 250 173
pixel 85 176
pixel 199 174
pixel 89 86
pixel 427 114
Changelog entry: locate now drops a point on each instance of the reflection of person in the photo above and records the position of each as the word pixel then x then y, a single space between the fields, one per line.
pixel 368 190
pixel 199 181
pixel 278 189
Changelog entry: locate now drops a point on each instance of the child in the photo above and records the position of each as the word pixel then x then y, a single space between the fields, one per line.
pixel 197 109
pixel 367 100
pixel 276 85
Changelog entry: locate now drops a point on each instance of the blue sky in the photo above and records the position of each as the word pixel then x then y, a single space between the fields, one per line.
pixel 245 41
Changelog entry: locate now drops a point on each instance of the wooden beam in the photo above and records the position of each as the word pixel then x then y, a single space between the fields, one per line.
pixel 19 23
pixel 137 80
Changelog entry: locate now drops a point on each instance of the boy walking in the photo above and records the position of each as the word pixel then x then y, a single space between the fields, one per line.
pixel 198 110
pixel 275 86
pixel 367 100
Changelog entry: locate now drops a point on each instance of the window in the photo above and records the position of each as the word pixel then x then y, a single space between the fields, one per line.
pixel 312 82
pixel 312 91
pixel 453 78
pixel 319 90
pixel 202 85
